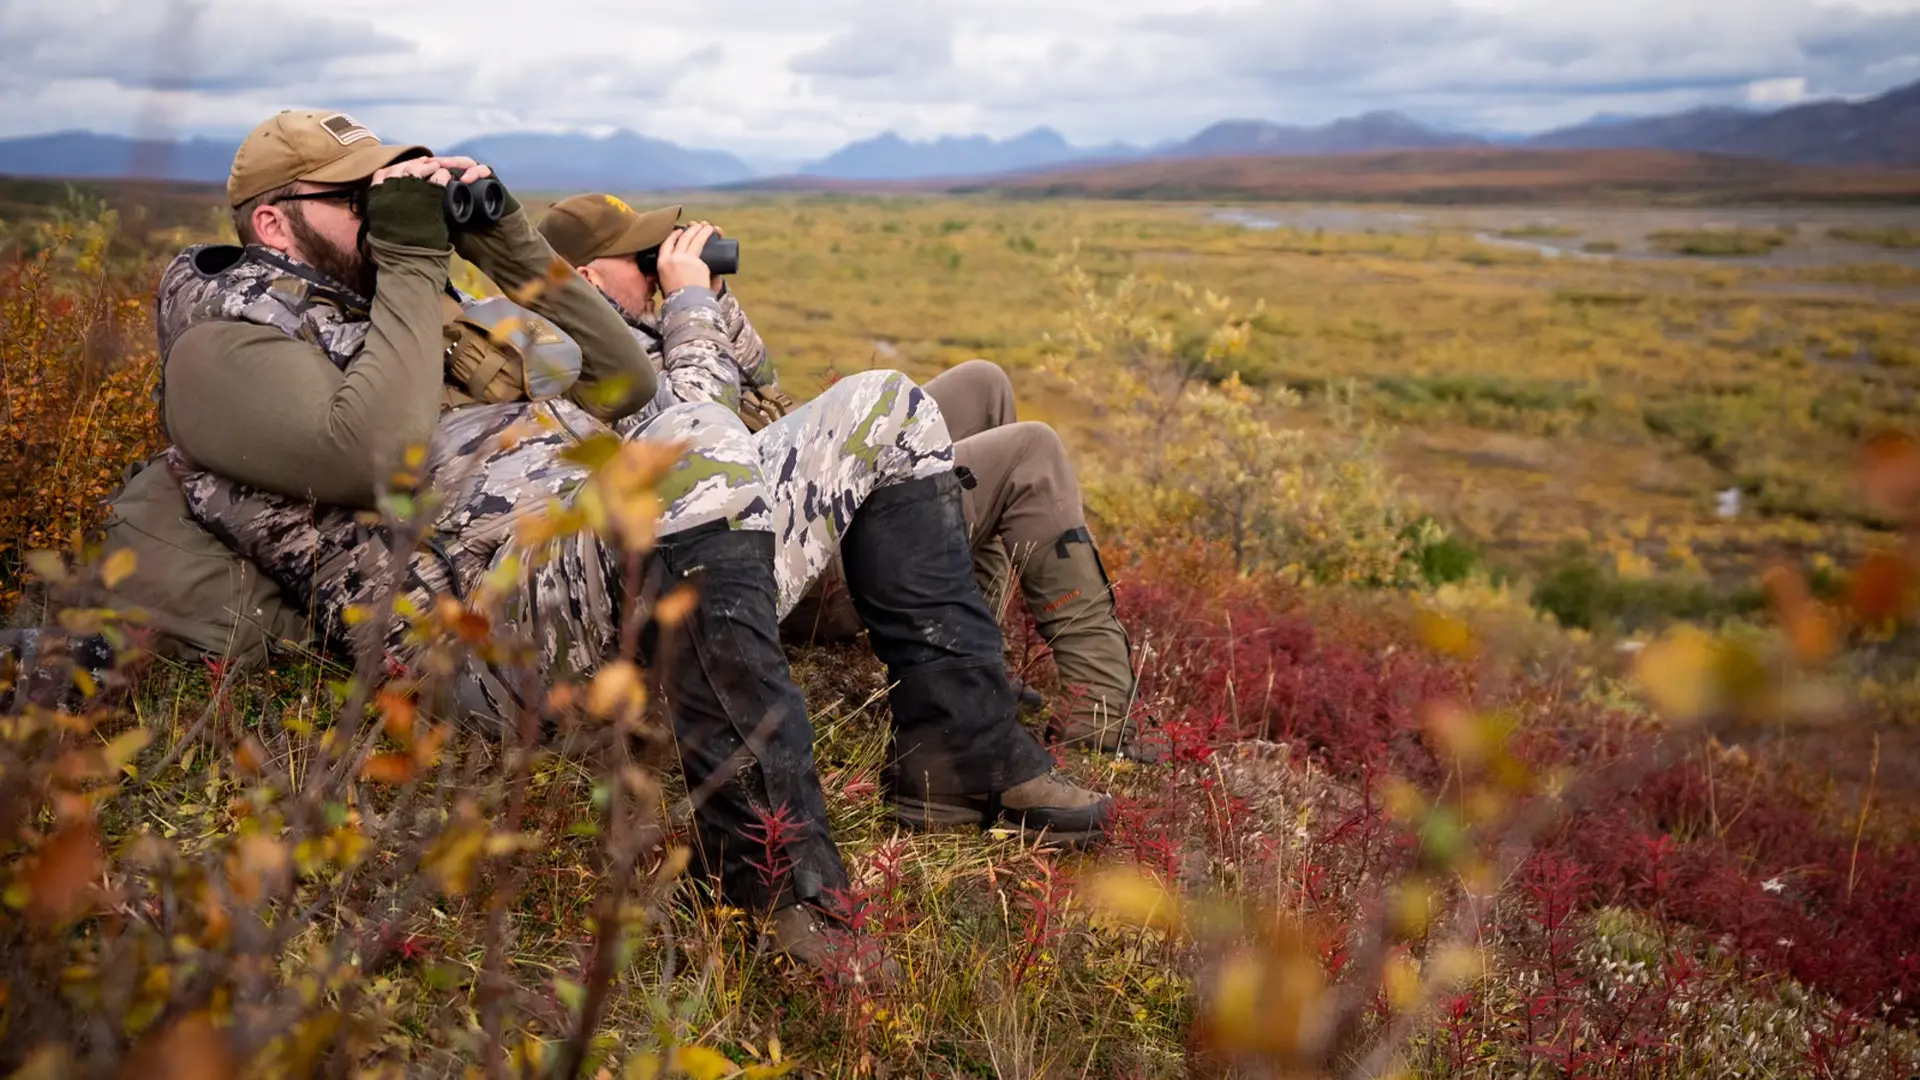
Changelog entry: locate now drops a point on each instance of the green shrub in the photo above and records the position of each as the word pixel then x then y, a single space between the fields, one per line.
pixel 1886 236
pixel 1582 593
pixel 1718 243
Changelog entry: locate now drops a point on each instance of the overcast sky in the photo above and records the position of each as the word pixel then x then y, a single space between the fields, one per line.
pixel 775 80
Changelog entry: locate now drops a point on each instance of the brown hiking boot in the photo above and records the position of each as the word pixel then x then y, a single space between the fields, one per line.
pixel 817 942
pixel 1067 590
pixel 1049 808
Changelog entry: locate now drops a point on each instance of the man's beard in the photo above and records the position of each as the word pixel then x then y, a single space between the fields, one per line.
pixel 344 266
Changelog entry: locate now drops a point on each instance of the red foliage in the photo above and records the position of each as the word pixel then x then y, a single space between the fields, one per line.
pixel 1789 894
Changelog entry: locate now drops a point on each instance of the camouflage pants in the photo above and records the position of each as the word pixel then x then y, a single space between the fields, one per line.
pixel 822 460
pixel 801 479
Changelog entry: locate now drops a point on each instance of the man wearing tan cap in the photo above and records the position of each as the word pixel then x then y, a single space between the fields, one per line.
pixel 1022 496
pixel 299 367
pixel 864 472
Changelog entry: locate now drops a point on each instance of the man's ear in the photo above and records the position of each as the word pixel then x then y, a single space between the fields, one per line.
pixel 270 226
pixel 592 276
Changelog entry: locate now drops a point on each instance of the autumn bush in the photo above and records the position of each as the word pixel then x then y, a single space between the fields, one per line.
pixel 77 373
pixel 1410 827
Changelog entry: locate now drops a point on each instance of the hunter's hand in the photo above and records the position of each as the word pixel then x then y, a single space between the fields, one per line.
pixel 437 170
pixel 680 264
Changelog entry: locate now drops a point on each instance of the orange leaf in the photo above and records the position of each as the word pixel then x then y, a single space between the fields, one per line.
pixel 1890 473
pixel 250 755
pixel 1811 629
pixel 397 715
pixel 472 627
pixel 190 1048
pixel 674 607
pixel 1881 588
pixel 388 768
pixel 61 884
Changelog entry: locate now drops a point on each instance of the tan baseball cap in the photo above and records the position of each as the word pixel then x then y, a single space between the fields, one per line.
pixel 583 228
pixel 313 145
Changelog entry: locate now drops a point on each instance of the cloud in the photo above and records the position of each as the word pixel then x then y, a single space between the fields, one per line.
pixel 1380 49
pixel 886 41
pixel 1778 91
pixel 769 78
pixel 182 46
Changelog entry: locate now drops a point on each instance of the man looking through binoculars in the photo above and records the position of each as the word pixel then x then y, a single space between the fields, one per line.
pixel 291 394
pixel 1021 498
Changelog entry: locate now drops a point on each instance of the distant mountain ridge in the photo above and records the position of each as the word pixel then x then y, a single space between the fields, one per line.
pixel 1366 133
pixel 1883 130
pixel 85 155
pixel 890 157
pixel 619 162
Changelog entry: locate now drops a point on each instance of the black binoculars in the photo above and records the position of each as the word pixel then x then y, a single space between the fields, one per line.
pixel 477 204
pixel 721 255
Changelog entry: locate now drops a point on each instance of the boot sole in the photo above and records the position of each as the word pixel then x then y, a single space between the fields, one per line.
pixel 924 817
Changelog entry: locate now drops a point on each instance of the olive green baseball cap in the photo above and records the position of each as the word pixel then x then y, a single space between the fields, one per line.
pixel 582 228
pixel 314 145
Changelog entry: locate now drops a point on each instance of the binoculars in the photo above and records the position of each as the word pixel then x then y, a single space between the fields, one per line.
pixel 475 205
pixel 721 255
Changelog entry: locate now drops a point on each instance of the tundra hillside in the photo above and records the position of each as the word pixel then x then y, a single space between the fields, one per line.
pixel 1532 634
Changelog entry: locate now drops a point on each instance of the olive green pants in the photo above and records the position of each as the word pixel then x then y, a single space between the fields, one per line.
pixel 1023 494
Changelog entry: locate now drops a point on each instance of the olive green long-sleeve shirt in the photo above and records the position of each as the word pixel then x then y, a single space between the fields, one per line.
pixel 514 253
pixel 256 406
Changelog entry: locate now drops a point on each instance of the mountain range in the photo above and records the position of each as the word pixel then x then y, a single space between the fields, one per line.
pixel 890 157
pixel 1884 130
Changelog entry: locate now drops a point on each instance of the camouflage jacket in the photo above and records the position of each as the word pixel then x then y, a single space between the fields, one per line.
pixel 289 538
pixel 704 349
pixel 328 557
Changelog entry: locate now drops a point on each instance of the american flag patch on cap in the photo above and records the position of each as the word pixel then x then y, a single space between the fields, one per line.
pixel 345 129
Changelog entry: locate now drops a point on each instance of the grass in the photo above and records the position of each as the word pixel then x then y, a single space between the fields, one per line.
pixel 1477 177
pixel 1719 243
pixel 1535 230
pixel 1740 907
pixel 1893 237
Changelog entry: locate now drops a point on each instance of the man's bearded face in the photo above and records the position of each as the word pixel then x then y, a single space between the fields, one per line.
pixel 346 265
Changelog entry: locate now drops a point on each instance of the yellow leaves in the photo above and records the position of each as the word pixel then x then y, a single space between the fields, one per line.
pixel 1690 676
pixel 1677 674
pixel 63 880
pixel 1269 1000
pixel 594 451
pixel 124 747
pixel 1457 963
pixel 628 484
pixel 342 846
pixel 699 1063
pixel 48 566
pixel 1444 633
pixel 118 567
pixel 451 860
pixel 1132 896
pixel 1401 982
pixel 618 693
pixel 555 521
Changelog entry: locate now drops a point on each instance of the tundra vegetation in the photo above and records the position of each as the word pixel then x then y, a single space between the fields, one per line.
pixel 1533 639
